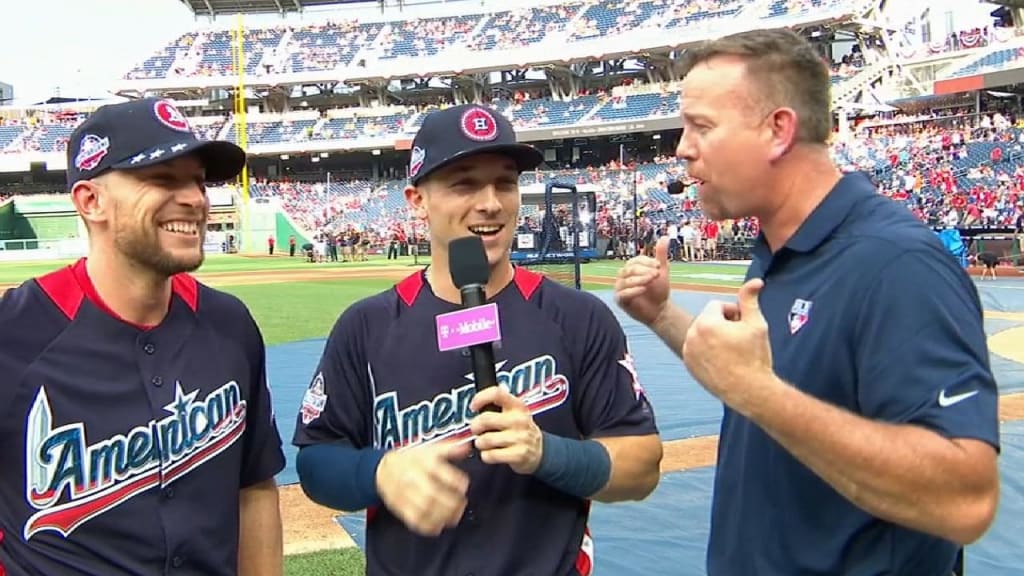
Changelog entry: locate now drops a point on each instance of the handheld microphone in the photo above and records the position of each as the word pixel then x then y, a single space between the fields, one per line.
pixel 470 271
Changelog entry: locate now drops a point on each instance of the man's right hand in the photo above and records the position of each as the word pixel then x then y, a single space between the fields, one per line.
pixel 422 488
pixel 642 285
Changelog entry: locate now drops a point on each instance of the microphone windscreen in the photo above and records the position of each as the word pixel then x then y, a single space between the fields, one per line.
pixel 467 261
pixel 676 187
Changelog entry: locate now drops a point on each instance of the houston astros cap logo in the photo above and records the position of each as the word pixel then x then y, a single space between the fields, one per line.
pixel 91 151
pixel 169 116
pixel 478 124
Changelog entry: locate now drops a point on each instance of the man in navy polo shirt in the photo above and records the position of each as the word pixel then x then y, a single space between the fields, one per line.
pixel 860 432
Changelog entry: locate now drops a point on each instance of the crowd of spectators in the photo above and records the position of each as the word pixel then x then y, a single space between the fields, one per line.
pixel 330 44
pixel 956 169
pixel 950 168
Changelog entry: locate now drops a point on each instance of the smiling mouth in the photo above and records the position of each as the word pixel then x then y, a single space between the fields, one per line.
pixel 181 228
pixel 486 231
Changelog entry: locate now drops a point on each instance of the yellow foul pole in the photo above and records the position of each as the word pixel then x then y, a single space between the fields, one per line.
pixel 241 129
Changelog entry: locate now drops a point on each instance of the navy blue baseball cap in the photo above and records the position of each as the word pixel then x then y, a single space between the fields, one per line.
pixel 454 133
pixel 140 133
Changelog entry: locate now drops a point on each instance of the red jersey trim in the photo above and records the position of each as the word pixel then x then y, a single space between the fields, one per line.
pixel 528 282
pixel 409 288
pixel 69 286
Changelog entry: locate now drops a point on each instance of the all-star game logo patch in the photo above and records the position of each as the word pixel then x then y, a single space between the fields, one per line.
pixel 171 117
pixel 91 151
pixel 416 161
pixel 314 400
pixel 478 124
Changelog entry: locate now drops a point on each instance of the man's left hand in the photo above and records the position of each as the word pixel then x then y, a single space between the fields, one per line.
pixel 727 348
pixel 509 436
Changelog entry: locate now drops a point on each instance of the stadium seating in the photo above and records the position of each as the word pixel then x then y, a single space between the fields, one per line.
pixel 975 181
pixel 702 13
pixel 523 27
pixel 991 62
pixel 908 166
pixel 330 46
pixel 975 177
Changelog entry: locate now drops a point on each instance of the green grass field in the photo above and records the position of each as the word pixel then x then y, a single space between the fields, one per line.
pixel 292 311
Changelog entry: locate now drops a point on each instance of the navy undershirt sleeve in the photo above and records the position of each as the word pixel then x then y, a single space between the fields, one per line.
pixel 339 476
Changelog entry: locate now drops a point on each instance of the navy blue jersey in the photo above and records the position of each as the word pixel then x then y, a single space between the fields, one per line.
pixel 866 310
pixel 383 383
pixel 124 448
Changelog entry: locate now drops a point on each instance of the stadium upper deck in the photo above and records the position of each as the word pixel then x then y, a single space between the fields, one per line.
pixel 204 57
pixel 573 30
pixel 327 49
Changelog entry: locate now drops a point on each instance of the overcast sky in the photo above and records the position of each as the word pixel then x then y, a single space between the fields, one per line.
pixel 89 43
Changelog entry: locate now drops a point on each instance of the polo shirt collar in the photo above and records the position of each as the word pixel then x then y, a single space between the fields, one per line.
pixel 826 217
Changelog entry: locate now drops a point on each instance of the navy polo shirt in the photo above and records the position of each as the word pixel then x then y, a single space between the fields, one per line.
pixel 868 311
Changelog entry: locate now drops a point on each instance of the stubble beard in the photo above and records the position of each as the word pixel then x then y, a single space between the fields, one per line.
pixel 141 245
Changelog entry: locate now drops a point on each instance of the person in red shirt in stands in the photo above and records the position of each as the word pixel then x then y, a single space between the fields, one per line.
pixel 711 239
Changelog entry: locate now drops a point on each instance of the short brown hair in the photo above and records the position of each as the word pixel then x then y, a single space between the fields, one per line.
pixel 786 70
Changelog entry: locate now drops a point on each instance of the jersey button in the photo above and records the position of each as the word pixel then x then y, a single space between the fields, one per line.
pixel 158 381
pixel 169 493
pixel 177 562
pixel 149 348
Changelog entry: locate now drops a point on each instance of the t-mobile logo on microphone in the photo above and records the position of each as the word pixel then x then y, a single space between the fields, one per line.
pixel 478 325
pixel 469 327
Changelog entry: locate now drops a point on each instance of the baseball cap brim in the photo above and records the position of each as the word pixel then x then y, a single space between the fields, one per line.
pixel 526 157
pixel 223 160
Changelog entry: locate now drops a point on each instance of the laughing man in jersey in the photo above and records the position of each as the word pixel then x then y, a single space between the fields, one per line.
pixel 139 436
pixel 388 422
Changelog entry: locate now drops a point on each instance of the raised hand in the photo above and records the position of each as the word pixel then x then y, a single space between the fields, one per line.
pixel 642 285
pixel 727 348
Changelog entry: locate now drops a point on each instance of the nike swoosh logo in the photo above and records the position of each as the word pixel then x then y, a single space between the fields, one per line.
pixel 947 401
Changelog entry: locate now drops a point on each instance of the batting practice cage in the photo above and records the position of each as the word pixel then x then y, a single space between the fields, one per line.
pixel 555 233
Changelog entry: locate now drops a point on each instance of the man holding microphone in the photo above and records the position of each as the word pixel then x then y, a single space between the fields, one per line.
pixel 394 424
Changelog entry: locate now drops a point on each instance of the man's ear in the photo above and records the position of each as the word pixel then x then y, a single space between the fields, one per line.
pixel 91 205
pixel 415 197
pixel 784 124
